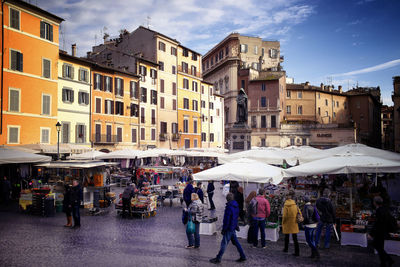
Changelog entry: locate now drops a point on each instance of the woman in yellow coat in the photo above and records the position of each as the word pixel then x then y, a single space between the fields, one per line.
pixel 289 222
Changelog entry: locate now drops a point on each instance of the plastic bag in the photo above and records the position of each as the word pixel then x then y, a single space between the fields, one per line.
pixel 190 227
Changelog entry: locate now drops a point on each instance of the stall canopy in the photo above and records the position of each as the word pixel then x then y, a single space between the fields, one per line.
pixel 364 150
pixel 88 155
pixel 8 155
pixel 71 164
pixel 344 164
pixel 242 170
pixel 269 155
pixel 122 154
pixel 157 152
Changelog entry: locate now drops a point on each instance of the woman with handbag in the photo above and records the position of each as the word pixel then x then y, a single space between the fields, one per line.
pixel 195 211
pixel 290 219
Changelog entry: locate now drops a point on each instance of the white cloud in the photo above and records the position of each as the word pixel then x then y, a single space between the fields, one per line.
pixel 189 21
pixel 378 67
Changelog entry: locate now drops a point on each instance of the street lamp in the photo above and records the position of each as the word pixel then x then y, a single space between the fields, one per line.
pixel 58 127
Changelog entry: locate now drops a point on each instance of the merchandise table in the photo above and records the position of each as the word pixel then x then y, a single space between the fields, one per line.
pixel 356 239
pixel 271 234
pixel 391 247
pixel 208 228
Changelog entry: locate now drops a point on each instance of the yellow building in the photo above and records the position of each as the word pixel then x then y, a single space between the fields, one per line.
pixel 74 99
pixel 189 98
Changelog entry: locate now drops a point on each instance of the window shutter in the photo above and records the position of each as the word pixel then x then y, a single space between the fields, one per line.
pixel 20 60
pixel 112 107
pixel 136 90
pixel 161 86
pixel 105 106
pixel 14 60
pixel 76 133
pixel 72 72
pixel 122 87
pixel 72 96
pixel 94 79
pixel 101 82
pixel 51 32
pixel 79 75
pixel 84 134
pixel 131 90
pixel 86 98
pixel 79 98
pixel 42 30
pixel 111 84
pixel 116 85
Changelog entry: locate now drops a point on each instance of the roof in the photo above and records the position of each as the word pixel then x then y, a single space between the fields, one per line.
pixel 64 55
pixel 191 50
pixel 107 68
pixel 231 35
pixel 35 9
pixel 147 61
pixel 293 86
pixel 155 32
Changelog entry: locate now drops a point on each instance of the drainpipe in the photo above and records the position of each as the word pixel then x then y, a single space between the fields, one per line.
pixel 2 64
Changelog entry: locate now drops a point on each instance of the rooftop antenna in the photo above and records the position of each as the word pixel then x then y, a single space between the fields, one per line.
pixel 148 22
pixel 95 39
pixel 329 80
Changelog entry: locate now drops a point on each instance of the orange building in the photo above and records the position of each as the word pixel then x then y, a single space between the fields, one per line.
pixel 115 109
pixel 29 74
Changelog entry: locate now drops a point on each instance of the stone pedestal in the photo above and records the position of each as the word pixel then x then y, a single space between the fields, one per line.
pixel 239 137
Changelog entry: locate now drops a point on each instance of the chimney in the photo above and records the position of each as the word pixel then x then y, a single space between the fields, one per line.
pixel 73 50
pixel 322 86
pixel 88 53
pixel 330 88
pixel 340 89
pixel 307 83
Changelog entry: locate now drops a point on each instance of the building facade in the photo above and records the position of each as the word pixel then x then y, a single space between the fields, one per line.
pixel 396 112
pixel 387 127
pixel 30 75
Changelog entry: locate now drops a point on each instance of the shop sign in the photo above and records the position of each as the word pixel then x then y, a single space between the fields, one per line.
pixel 324 135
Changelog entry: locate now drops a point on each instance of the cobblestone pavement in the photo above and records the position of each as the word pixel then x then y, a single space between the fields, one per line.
pixel 109 240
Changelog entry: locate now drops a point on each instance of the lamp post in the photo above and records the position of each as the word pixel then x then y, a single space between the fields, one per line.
pixel 58 127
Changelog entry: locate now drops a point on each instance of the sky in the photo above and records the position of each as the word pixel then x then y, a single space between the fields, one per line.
pixel 343 42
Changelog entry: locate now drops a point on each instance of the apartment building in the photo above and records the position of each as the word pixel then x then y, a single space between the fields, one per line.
pixel 30 75
pixel 205 107
pixel 387 127
pixel 74 90
pixel 217 129
pixel 115 109
pixel 396 112
pixel 189 98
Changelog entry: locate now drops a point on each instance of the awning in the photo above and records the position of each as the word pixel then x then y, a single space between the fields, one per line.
pixel 72 164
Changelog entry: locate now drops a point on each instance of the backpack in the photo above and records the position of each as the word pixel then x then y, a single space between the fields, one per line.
pixel 253 207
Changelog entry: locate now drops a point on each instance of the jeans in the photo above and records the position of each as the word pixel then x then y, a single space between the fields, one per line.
pixel 384 258
pixel 296 243
pixel 310 238
pixel 328 227
pixel 258 223
pixel 76 215
pixel 230 236
pixel 210 197
pixel 194 239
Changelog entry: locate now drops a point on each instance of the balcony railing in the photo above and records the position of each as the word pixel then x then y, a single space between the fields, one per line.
pixel 175 137
pixel 163 137
pixel 189 71
pixel 104 138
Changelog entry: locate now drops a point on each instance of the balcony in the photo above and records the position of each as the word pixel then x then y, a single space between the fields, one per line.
pixel 163 137
pixel 189 71
pixel 104 139
pixel 175 137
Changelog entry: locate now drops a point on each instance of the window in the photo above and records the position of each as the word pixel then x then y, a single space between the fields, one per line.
pixel 203 104
pixel 211 119
pixel 153 97
pixel 185 125
pixel 143 73
pixel 185 83
pixel 108 133
pixel 65 132
pixel 134 89
pixel 134 135
pixel 173 104
pixel 263 121
pixel 211 104
pixel 174 127
pixel 173 51
pixel 108 107
pixel 46 104
pixel 194 56
pixel 253 122
pixel 46 31
pixel 163 127
pixel 194 86
pixel 173 69
pixel 319 111
pixel 14 18
pixel 326 102
pixel 193 70
pixel 288 109
pixel 153 134
pixel 173 88
pixel 119 108
pixel 68 71
pixel 194 126
pixel 97 80
pixel 337 104
pixel 185 67
pixel 14 100
pixel 13 134
pixel 273 121
pixel 211 137
pixel 143 95
pixel 162 102
pixel 326 114
pixel 16 60
pixel 161 46
pixel 243 48
pixel 44 136
pixel 262 51
pixel 227 51
pixel 334 114
pixel 67 95
pixel 221 54
pixel 333 103
pixel 119 87
pixel 263 87
pixel 292 141
pixel 243 84
pixel 187 143
pixel 319 95
pixel 161 65
pixel 203 137
pixel 212 61
pixel 46 68
pixel 80 133
pixel 134 110
pixel 255 50
pixel 202 89
pixel 263 101
pixel 98 105
pixel 304 141
pixel 119 134
pixel 185 52
pixel 273 53
pixel 195 105
pixel 300 110
pixel 142 115
pixel 300 94
pixel 83 75
pixel 288 93
pixel 186 103
pixel 83 98
pixel 153 116
pixel 162 86
pixel 195 143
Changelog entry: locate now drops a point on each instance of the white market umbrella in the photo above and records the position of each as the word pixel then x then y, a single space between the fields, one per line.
pixel 242 170
pixel 122 154
pixel 269 155
pixel 156 152
pixel 8 155
pixel 344 164
pixel 94 154
pixel 364 150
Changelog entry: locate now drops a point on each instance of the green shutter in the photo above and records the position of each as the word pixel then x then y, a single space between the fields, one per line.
pixel 42 29
pixel 51 33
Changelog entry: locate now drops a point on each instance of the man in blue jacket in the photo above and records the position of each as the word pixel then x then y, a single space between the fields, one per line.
pixel 187 193
pixel 229 227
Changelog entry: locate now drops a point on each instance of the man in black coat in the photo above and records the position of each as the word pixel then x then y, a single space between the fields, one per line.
pixel 76 198
pixel 210 193
pixel 328 218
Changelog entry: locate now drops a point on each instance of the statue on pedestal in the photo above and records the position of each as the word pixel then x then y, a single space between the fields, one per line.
pixel 241 112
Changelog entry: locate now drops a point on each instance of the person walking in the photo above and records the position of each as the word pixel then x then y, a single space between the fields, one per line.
pixel 289 222
pixel 127 195
pixel 250 233
pixel 328 217
pixel 187 192
pixel 380 231
pixel 262 211
pixel 229 227
pixel 76 198
pixel 311 219
pixel 5 190
pixel 199 192
pixel 195 210
pixel 210 193
pixel 67 205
